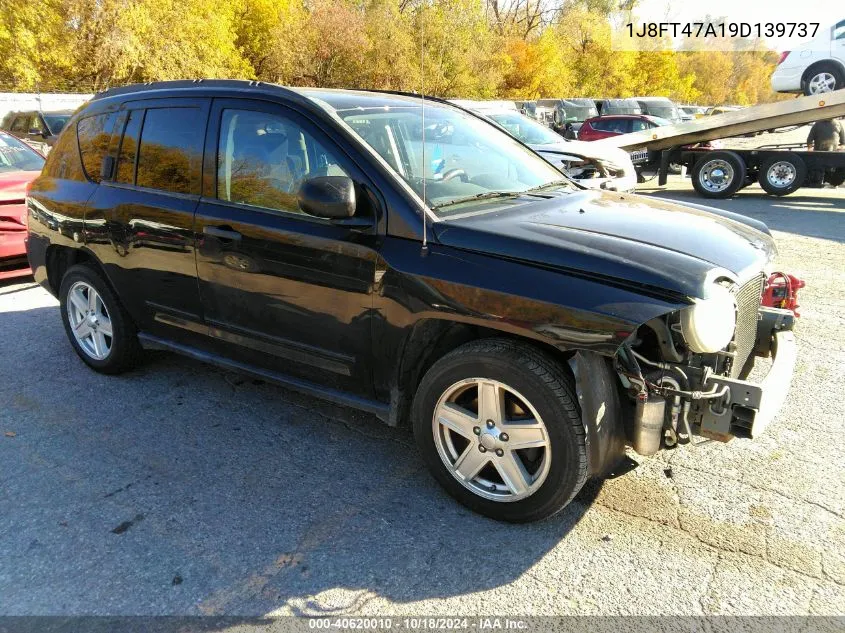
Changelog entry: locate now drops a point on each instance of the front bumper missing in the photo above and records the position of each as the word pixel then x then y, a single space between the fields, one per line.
pixel 750 406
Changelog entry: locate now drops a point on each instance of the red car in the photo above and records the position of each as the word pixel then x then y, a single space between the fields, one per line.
pixel 616 124
pixel 19 165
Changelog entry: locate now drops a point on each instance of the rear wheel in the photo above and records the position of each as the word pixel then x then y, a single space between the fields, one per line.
pixel 98 327
pixel 499 427
pixel 822 79
pixel 782 175
pixel 718 174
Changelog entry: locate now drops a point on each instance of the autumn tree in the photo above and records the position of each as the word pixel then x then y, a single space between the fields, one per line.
pixel 480 49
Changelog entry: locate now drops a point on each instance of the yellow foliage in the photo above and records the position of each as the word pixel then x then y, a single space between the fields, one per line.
pixel 453 48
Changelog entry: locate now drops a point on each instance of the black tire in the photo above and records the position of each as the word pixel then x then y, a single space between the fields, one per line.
pixel 549 388
pixel 125 351
pixel 836 177
pixel 823 68
pixel 773 167
pixel 706 187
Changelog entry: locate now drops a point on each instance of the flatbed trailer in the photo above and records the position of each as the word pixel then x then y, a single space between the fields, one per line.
pixel 780 169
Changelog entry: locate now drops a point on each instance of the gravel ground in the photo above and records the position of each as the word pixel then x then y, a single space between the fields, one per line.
pixel 182 489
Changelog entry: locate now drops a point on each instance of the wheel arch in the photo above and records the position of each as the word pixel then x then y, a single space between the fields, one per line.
pixel 428 341
pixel 600 397
pixel 60 258
pixel 808 72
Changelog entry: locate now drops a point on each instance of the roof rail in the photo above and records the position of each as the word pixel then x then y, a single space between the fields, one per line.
pixel 178 84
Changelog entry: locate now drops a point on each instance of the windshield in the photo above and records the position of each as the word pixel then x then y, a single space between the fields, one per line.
pixel 658 121
pixel 665 112
pixel 56 121
pixel 579 112
pixel 621 106
pixel 526 130
pixel 17 156
pixel 466 159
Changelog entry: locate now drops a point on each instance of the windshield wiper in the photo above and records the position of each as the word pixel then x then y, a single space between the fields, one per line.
pixel 548 185
pixel 479 196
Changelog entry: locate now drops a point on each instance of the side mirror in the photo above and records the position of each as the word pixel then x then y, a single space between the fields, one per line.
pixel 331 197
pixel 34 131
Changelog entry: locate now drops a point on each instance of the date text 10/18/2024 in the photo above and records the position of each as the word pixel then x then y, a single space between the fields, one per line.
pixel 420 623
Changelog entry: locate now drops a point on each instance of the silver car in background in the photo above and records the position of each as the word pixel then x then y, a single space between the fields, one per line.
pixel 591 166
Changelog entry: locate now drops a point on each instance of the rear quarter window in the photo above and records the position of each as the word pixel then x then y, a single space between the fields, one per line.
pixel 63 161
pixel 94 134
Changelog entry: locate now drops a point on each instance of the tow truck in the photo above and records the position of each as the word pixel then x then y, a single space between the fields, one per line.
pixel 720 173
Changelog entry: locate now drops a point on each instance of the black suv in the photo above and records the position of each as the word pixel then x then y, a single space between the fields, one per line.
pixel 430 270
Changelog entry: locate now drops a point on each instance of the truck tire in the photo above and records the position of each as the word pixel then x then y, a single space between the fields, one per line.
pixel 98 327
pixel 718 174
pixel 782 175
pixel 499 426
pixel 823 78
pixel 836 177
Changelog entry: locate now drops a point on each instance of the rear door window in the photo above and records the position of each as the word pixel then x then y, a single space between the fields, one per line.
pixel 94 134
pixel 170 153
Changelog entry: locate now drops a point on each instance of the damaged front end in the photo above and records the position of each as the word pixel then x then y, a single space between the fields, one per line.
pixel 681 378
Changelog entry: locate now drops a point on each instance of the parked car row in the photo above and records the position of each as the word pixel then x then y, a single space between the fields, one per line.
pixel 589 165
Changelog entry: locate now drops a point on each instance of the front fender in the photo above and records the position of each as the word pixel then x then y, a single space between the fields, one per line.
pixel 473 290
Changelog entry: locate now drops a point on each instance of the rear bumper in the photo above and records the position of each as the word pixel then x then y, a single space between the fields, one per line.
pixel 751 406
pixel 787 79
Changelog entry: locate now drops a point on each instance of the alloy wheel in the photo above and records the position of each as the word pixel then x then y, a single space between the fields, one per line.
pixel 89 320
pixel 822 82
pixel 491 439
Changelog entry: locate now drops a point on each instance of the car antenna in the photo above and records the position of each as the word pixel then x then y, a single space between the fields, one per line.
pixel 424 249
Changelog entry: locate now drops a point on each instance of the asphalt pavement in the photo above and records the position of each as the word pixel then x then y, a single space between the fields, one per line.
pixel 183 489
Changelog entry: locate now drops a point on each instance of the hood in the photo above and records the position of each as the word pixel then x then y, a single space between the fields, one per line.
pixel 652 245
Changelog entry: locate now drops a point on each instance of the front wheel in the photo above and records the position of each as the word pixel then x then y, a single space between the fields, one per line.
pixel 499 427
pixel 718 174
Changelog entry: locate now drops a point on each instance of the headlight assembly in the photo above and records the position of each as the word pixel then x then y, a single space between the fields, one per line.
pixel 708 325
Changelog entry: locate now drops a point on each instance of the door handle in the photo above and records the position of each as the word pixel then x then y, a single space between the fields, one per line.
pixel 224 233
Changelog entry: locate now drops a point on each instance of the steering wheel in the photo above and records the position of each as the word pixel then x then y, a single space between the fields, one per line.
pixel 455 173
